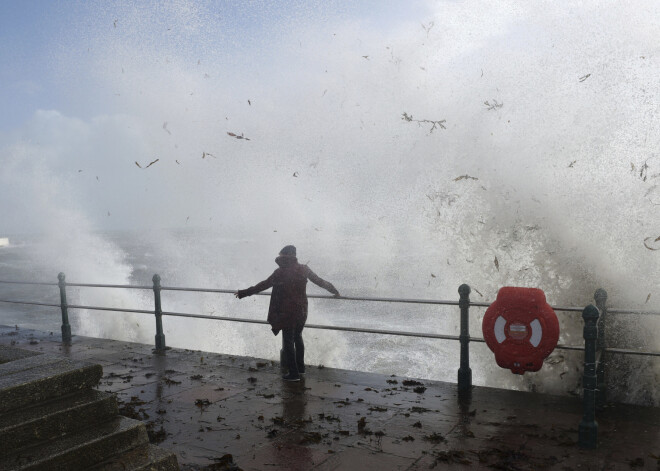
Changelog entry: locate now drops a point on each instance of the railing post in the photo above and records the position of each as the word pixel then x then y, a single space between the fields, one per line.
pixel 588 429
pixel 66 327
pixel 601 303
pixel 464 372
pixel 158 311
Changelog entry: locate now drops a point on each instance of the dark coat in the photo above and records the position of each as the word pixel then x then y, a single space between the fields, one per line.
pixel 288 301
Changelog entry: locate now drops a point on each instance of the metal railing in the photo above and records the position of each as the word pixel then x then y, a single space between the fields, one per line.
pixel 596 320
pixel 600 297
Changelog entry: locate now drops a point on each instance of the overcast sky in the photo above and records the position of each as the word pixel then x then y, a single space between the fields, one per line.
pixel 547 110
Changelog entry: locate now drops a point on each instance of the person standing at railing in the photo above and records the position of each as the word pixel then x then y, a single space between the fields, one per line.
pixel 288 306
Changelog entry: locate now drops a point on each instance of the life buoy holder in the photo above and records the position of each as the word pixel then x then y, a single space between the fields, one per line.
pixel 521 329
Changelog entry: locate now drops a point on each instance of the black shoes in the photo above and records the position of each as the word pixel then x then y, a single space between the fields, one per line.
pixel 290 377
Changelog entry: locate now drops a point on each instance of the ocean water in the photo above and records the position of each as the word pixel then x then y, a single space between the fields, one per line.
pixel 205 259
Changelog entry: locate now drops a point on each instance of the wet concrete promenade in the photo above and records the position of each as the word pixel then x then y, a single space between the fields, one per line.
pixel 204 405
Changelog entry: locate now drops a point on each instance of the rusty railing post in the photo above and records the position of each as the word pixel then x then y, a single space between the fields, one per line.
pixel 588 429
pixel 464 372
pixel 158 311
pixel 601 344
pixel 66 327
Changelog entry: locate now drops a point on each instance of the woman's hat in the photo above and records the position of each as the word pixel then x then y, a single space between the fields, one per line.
pixel 289 251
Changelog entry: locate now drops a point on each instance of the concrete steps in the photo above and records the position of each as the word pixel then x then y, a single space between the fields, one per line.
pixel 51 419
pixel 79 450
pixel 36 379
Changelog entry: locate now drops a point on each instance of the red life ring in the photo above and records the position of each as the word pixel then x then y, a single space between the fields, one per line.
pixel 521 329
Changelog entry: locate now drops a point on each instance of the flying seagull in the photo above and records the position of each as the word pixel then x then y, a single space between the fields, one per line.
pixel 237 136
pixel 150 164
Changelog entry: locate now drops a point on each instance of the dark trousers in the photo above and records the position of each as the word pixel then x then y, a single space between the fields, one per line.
pixel 294 349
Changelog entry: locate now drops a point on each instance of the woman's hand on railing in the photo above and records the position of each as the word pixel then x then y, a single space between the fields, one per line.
pixel 236 294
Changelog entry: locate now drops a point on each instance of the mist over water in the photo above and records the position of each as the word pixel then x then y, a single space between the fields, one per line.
pixel 549 112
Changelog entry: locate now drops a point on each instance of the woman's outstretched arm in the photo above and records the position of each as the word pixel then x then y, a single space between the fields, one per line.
pixel 317 280
pixel 259 287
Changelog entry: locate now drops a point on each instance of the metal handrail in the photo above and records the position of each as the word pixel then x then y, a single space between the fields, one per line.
pixel 402 333
pixel 118 309
pixel 625 351
pixel 322 296
pixel 348 298
pixel 363 298
pixel 631 311
pixel 317 326
pixel 28 283
pixel 29 302
pixel 621 351
pixel 92 285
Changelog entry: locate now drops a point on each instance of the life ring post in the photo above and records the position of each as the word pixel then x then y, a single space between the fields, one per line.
pixel 464 372
pixel 64 306
pixel 158 311
pixel 588 429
